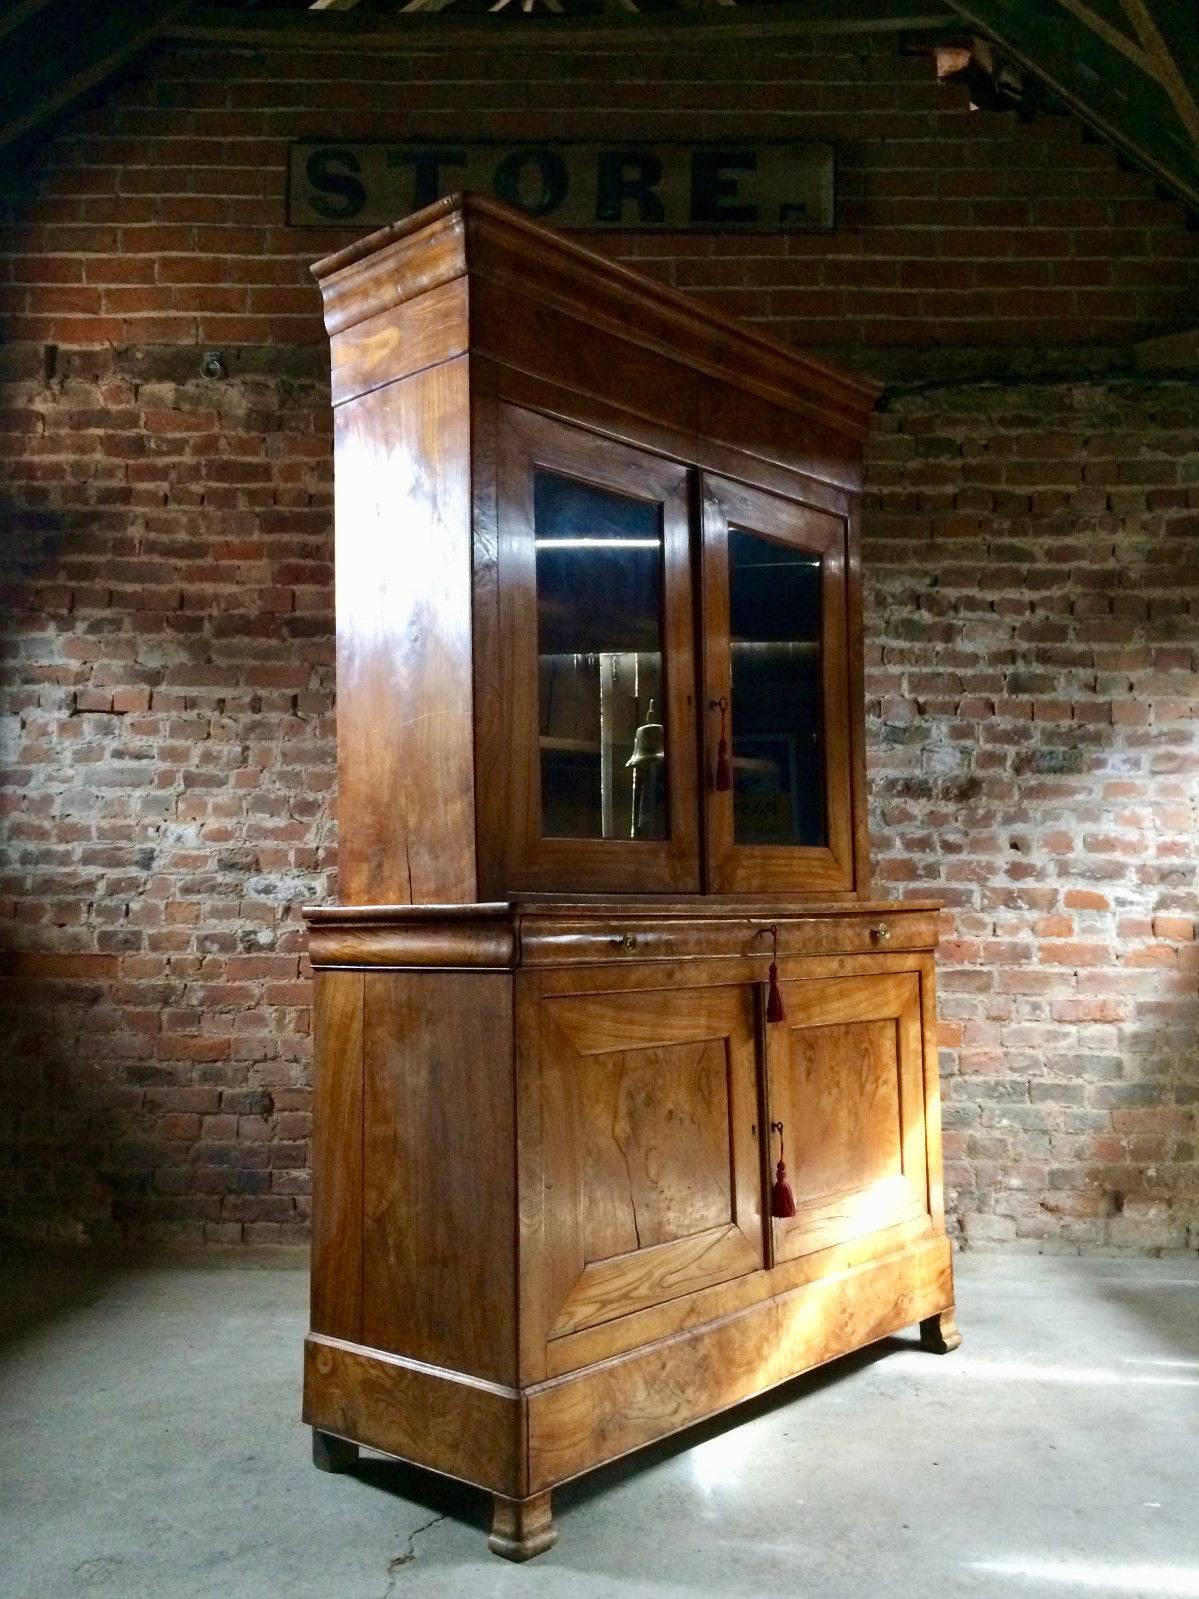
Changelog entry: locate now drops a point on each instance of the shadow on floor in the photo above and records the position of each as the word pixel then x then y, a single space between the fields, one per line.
pixel 35 1292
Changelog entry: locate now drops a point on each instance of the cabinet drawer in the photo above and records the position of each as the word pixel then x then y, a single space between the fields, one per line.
pixel 550 940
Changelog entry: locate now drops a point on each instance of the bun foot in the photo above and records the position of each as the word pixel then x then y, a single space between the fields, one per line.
pixel 521 1528
pixel 331 1453
pixel 939 1334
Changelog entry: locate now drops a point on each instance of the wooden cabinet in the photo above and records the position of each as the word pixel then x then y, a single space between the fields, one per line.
pixel 605 951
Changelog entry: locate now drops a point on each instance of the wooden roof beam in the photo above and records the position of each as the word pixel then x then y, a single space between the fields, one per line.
pixel 50 71
pixel 332 30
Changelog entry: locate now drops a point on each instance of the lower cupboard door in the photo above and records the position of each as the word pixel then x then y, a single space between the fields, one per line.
pixel 846 1081
pixel 651 1180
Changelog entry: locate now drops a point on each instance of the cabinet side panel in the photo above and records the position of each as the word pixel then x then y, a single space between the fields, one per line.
pixel 337 1156
pixel 439 1229
pixel 404 701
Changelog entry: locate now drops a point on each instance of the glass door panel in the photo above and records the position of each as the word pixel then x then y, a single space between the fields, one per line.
pixel 778 801
pixel 596 620
pixel 777 686
pixel 601 733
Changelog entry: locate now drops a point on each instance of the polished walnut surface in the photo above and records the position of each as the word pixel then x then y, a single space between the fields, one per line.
pixel 577 1005
pixel 471 347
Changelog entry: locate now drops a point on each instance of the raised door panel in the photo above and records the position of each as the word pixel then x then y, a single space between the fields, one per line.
pixel 651 1177
pixel 596 749
pixel 846 1100
pixel 778 769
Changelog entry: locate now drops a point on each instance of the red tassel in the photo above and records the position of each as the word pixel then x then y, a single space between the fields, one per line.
pixel 724 767
pixel 782 1200
pixel 774 997
pixel 724 770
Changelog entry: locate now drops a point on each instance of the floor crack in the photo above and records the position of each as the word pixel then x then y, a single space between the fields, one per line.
pixel 396 1565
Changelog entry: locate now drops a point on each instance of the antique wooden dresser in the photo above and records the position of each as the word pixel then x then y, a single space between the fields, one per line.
pixel 605 953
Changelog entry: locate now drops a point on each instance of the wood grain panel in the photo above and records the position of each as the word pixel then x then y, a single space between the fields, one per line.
pixel 336 1292
pixel 631 935
pixel 654 1135
pixel 393 265
pixel 604 1411
pixel 651 1185
pixel 418 945
pixel 626 418
pixel 694 975
pixel 399 342
pixel 505 247
pixel 845 1078
pixel 774 432
pixel 439 1419
pixel 845 1087
pixel 513 326
pixel 404 707
pixel 439 1261
pixel 655 1322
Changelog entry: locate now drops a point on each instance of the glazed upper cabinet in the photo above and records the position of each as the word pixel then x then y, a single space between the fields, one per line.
pixel 585 534
pixel 674 656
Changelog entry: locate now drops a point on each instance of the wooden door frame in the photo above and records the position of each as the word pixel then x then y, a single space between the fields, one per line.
pixel 528 440
pixel 732 868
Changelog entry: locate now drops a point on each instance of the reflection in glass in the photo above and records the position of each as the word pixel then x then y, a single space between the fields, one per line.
pixel 599 653
pixel 777 709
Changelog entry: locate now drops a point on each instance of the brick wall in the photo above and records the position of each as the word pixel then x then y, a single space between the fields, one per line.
pixel 1033 565
pixel 167 686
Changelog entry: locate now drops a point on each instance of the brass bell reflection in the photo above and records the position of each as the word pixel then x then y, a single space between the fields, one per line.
pixel 648 763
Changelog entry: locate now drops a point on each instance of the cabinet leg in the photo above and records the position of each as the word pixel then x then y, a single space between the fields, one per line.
pixel 522 1528
pixel 331 1453
pixel 939 1334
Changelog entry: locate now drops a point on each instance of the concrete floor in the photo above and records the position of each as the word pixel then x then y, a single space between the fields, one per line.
pixel 150 1446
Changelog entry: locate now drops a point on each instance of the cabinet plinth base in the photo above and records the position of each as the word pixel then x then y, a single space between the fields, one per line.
pixel 331 1453
pixel 939 1334
pixel 521 1528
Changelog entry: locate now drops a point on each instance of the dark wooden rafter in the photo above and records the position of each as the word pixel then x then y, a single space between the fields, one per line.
pixel 1130 70
pixel 436 28
pixel 18 12
pixel 48 64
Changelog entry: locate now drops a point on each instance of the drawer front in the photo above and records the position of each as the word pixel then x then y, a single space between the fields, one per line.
pixel 645 1184
pixel 566 941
